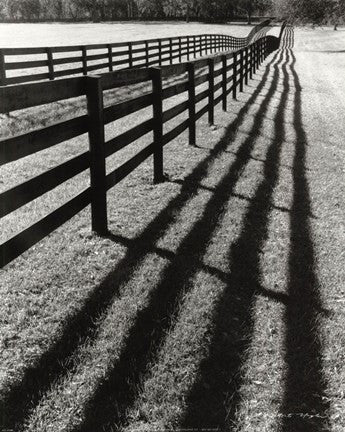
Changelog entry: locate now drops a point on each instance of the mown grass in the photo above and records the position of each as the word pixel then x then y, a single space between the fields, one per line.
pixel 54 34
pixel 214 302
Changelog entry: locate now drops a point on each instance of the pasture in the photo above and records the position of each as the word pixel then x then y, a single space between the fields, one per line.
pixel 25 35
pixel 217 299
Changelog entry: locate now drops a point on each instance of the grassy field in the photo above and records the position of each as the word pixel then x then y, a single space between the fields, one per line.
pixel 217 300
pixel 22 35
pixel 19 35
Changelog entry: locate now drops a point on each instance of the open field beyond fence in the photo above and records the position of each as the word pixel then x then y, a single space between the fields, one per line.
pixel 25 64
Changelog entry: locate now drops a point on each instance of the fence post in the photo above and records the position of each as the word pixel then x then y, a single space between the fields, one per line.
pixel 157 93
pixel 246 70
pixel 234 76
pixel 179 50
pixel 269 47
pixel 262 50
pixel 2 69
pixel 194 46
pixel 84 56
pixel 171 51
pixel 110 57
pixel 211 91
pixel 224 95
pixel 97 155
pixel 252 53
pixel 241 70
pixel 191 100
pixel 257 55
pixel 50 63
pixel 188 48
pixel 147 53
pixel 160 52
pixel 265 47
pixel 130 55
pixel 281 33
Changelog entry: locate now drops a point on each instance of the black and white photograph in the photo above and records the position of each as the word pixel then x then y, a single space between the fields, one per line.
pixel 172 215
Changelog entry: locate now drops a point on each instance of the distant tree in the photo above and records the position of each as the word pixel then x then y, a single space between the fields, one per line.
pixel 189 9
pixel 13 10
pixel 251 6
pixel 3 9
pixel 25 9
pixel 53 9
pixel 75 10
pixel 151 9
pixel 337 12
pixel 173 8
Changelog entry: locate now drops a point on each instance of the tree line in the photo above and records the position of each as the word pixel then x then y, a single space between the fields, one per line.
pixel 313 11
pixel 109 10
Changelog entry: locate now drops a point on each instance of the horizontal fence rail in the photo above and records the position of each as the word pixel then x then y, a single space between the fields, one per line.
pixel 222 75
pixel 17 65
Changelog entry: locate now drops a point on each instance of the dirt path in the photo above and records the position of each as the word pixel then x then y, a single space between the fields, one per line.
pixel 218 299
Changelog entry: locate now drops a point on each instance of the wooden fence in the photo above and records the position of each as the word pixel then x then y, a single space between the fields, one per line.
pixel 232 71
pixel 62 61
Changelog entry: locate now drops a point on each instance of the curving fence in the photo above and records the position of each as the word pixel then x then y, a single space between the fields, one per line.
pixel 211 79
pixel 18 66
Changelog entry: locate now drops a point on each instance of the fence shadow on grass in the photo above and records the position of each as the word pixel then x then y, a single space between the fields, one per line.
pixel 83 325
pixel 114 396
pixel 214 398
pixel 304 407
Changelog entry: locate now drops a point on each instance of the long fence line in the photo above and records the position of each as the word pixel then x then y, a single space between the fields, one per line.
pixel 61 61
pixel 233 69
